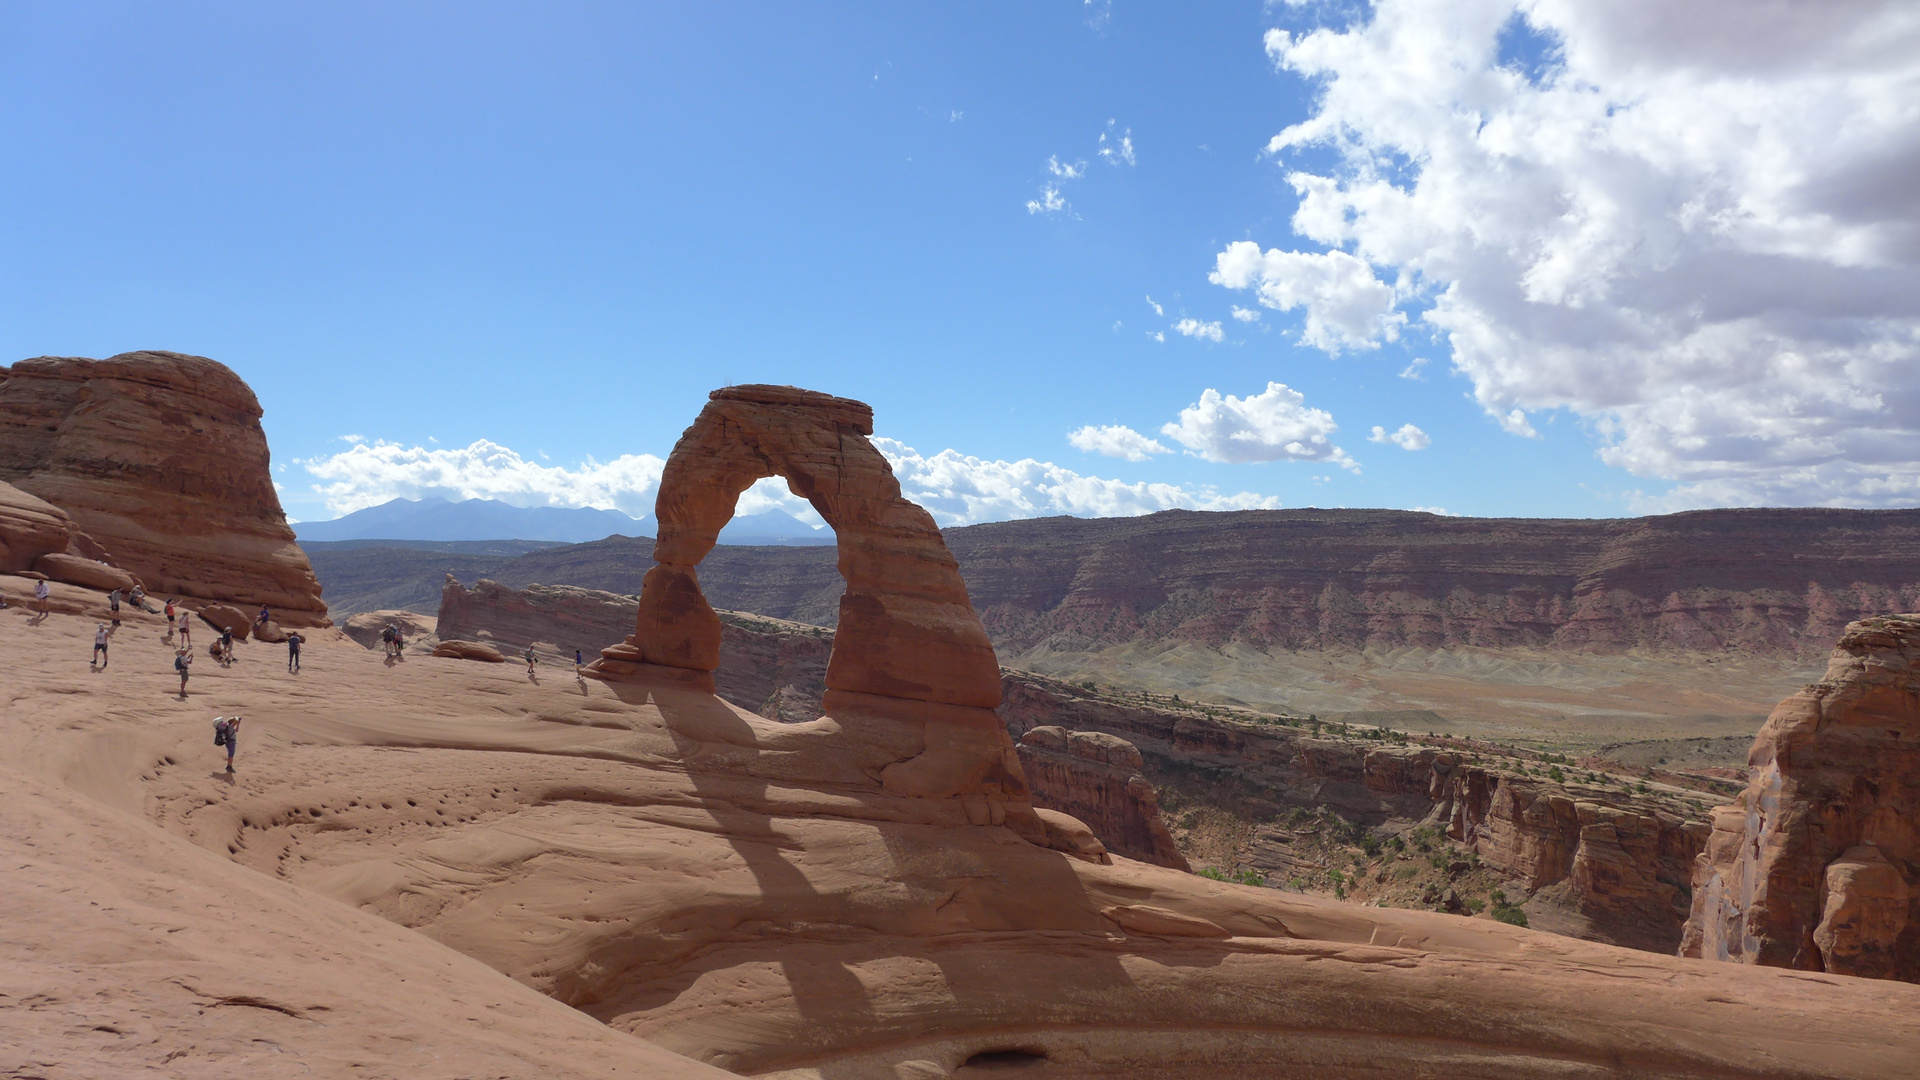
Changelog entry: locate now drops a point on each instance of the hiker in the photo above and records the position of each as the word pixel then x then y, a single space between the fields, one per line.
pixel 113 606
pixel 226 648
pixel 530 660
pixel 169 638
pixel 399 643
pixel 263 616
pixel 182 660
pixel 139 598
pixel 226 732
pixel 293 652
pixel 386 640
pixel 186 630
pixel 579 663
pixel 40 594
pixel 99 646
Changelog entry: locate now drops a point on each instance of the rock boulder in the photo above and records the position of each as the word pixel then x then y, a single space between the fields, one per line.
pixel 86 573
pixel 367 626
pixel 29 528
pixel 229 618
pixel 160 458
pixel 469 650
pixel 1815 865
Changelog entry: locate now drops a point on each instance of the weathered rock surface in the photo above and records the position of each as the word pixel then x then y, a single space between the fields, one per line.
pixel 469 650
pixel 367 626
pixel 1617 861
pixel 1096 778
pixel 160 458
pixel 229 618
pixel 29 528
pixel 907 628
pixel 559 618
pixel 1817 864
pixel 89 573
pixel 909 656
pixel 698 881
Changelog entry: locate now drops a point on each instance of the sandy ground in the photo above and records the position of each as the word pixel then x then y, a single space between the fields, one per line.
pixel 417 867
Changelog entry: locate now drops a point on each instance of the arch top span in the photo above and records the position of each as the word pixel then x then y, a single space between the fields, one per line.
pixel 907 629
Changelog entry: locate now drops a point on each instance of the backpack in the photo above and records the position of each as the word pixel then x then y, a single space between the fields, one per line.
pixel 219 734
pixel 179 663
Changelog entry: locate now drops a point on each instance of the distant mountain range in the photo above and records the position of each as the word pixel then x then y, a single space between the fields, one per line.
pixel 437 519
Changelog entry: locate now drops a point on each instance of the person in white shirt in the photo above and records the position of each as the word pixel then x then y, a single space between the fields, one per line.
pixel 100 646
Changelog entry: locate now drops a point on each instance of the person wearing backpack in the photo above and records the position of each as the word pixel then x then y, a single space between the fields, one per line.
pixel 293 653
pixel 182 660
pixel 226 732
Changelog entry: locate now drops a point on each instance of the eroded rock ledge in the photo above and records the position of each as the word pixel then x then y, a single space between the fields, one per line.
pixel 1816 865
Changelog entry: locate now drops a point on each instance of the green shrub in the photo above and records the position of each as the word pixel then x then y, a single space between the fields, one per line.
pixel 1211 874
pixel 1476 905
pixel 1510 915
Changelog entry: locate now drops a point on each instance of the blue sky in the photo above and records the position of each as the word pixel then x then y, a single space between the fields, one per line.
pixel 553 229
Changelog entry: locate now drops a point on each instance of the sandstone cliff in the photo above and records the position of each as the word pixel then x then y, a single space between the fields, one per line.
pixel 1817 864
pixel 1096 778
pixel 160 458
pixel 1758 580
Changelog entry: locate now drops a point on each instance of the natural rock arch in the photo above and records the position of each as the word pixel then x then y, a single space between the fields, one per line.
pixel 907 629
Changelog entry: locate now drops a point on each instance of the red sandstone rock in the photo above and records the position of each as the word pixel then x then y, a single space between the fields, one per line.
pixel 269 632
pixel 1815 865
pixel 161 459
pixel 29 528
pixel 1096 778
pixel 86 573
pixel 367 626
pixel 910 658
pixel 469 650
pixel 906 628
pixel 229 618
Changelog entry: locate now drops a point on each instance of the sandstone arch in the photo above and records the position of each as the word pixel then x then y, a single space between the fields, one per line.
pixel 907 629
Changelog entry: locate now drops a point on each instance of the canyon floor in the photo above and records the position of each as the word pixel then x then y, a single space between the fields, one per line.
pixel 444 868
pixel 1550 699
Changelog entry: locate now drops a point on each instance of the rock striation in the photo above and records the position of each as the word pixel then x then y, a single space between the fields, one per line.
pixel 910 658
pixel 30 527
pixel 1096 778
pixel 160 458
pixel 1766 580
pixel 1816 865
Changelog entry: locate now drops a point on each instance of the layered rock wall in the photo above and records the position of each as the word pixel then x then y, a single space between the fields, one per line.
pixel 160 458
pixel 1095 777
pixel 1772 580
pixel 1817 864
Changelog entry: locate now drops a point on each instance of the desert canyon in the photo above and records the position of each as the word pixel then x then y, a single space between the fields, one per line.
pixel 831 836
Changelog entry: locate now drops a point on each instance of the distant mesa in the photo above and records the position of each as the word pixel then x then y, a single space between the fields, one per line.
pixel 438 519
pixel 160 465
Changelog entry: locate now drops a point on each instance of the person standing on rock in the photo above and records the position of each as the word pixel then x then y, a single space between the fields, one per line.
pixel 530 660
pixel 169 610
pixel 182 660
pixel 226 648
pixel 113 606
pixel 40 594
pixel 99 646
pixel 293 652
pixel 186 629
pixel 226 732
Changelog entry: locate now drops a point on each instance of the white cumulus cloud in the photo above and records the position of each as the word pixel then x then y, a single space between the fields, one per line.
pixel 956 488
pixel 370 473
pixel 1273 425
pixel 1347 306
pixel 960 490
pixel 1407 438
pixel 1245 314
pixel 1065 171
pixel 1697 226
pixel 1196 329
pixel 1116 440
